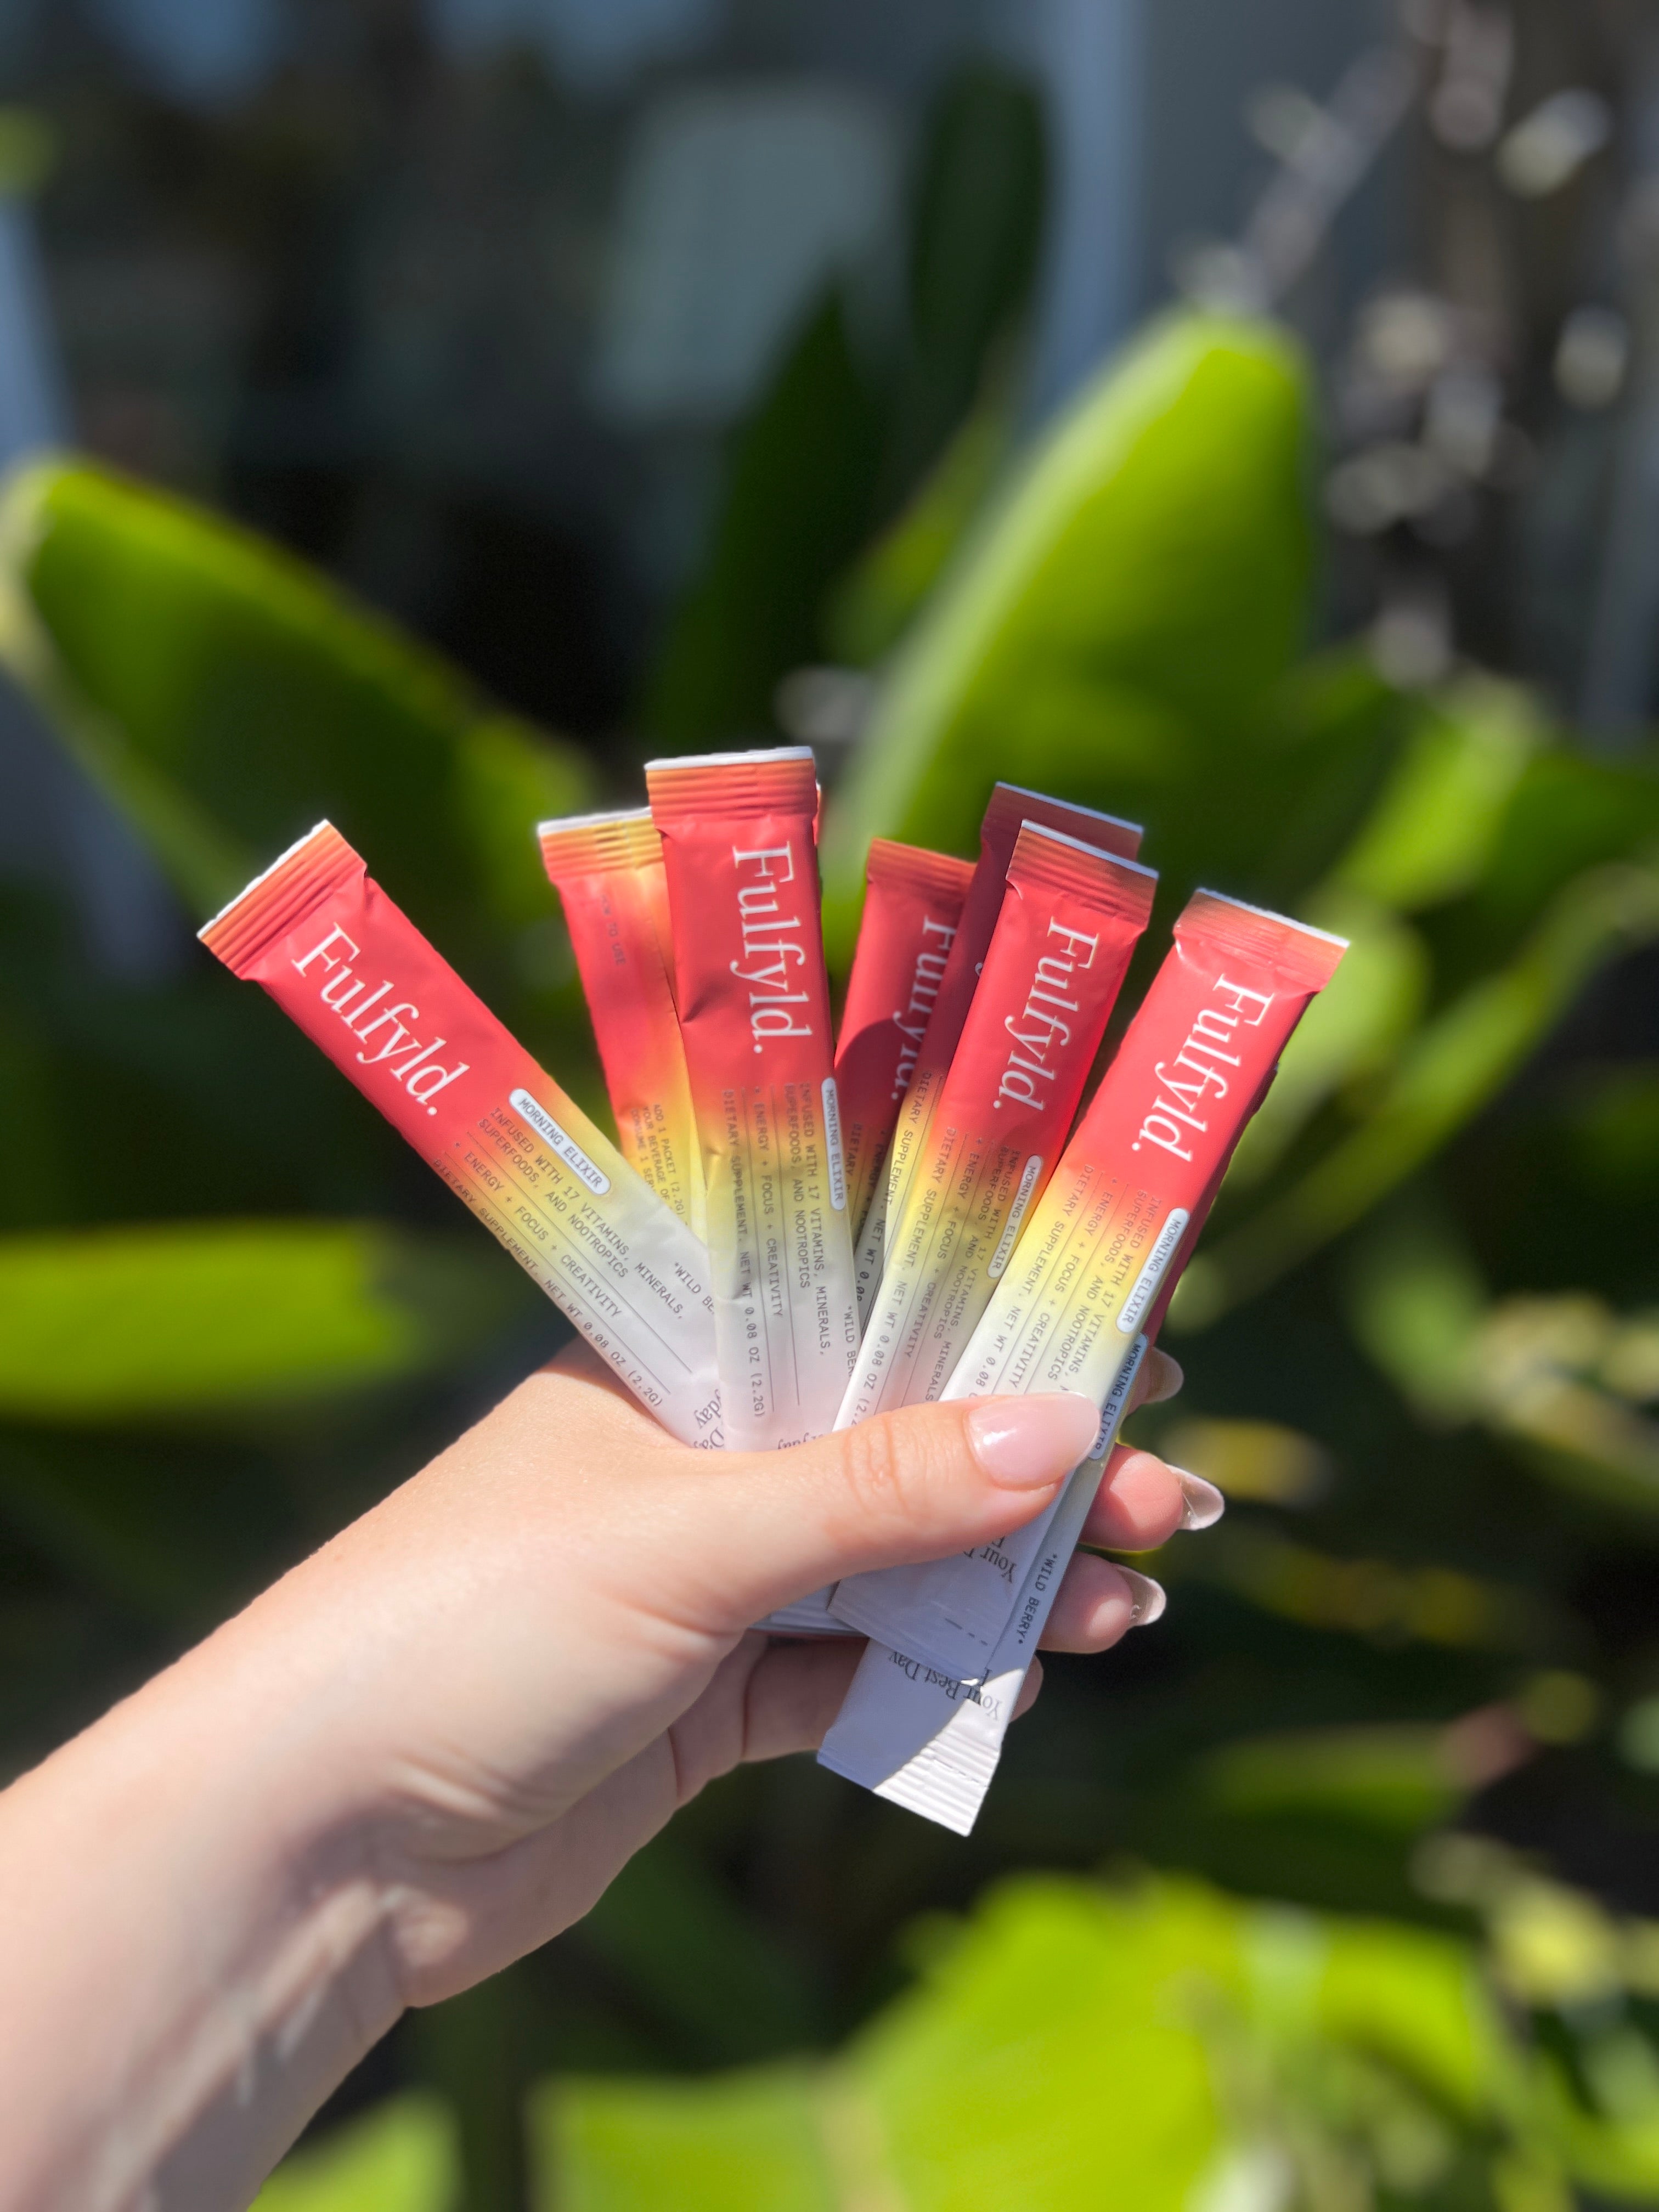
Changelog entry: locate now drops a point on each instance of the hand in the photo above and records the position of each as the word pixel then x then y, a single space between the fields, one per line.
pixel 430 1748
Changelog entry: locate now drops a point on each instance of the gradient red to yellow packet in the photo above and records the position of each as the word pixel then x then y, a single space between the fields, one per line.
pixel 1071 919
pixel 912 906
pixel 608 870
pixel 357 975
pixel 740 842
pixel 1193 1065
pixel 1009 807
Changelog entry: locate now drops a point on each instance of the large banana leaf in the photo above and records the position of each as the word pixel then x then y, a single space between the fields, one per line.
pixel 192 1320
pixel 1150 2049
pixel 402 2157
pixel 1114 629
pixel 227 696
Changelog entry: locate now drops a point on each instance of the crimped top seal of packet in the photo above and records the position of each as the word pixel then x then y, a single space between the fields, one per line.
pixel 269 906
pixel 780 781
pixel 600 844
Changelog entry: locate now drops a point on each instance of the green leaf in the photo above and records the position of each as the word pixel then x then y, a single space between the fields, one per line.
pixel 195 1319
pixel 1437 823
pixel 801 480
pixel 1119 616
pixel 750 2142
pixel 985 2084
pixel 1395 1777
pixel 976 233
pixel 1417 2000
pixel 871 609
pixel 227 696
pixel 401 2157
pixel 691 1954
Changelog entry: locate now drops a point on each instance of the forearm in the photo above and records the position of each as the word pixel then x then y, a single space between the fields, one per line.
pixel 193 1950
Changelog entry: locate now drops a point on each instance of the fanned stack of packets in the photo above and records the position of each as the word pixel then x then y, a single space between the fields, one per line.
pixel 800 1231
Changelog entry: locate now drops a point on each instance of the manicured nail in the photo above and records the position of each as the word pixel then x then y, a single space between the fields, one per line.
pixel 1205 1504
pixel 1148 1599
pixel 1030 1444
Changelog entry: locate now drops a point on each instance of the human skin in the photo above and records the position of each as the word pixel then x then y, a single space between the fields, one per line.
pixel 430 1747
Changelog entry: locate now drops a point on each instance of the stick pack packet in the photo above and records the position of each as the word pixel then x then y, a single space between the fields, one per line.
pixel 1011 806
pixel 1193 1066
pixel 926 1739
pixel 912 906
pixel 738 842
pixel 358 977
pixel 1071 919
pixel 608 871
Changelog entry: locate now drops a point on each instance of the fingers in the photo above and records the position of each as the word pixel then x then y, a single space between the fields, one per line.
pixel 733 1536
pixel 1142 1501
pixel 1161 1376
pixel 1098 1604
pixel 794 1693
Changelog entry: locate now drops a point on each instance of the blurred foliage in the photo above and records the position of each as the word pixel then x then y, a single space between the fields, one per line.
pixel 1409 1689
pixel 1153 2045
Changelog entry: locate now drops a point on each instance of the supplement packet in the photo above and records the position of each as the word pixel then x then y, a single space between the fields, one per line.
pixel 925 1738
pixel 912 905
pixel 608 871
pixel 1010 806
pixel 1193 1066
pixel 738 843
pixel 358 977
pixel 1071 919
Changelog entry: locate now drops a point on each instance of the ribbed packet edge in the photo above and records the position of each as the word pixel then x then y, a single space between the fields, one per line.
pixel 268 908
pixel 940 873
pixel 1011 804
pixel 1293 949
pixel 1061 862
pixel 598 844
pixel 784 782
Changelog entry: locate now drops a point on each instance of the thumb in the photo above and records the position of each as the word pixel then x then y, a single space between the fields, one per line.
pixel 748 1532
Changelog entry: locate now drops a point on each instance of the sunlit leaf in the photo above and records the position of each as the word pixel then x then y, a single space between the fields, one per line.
pixel 401 2157
pixel 227 696
pixel 1393 1776
pixel 747 2143
pixel 1139 587
pixel 1437 821
pixel 191 1319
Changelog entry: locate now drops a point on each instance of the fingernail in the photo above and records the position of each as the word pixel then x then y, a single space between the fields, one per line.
pixel 1205 1504
pixel 1029 1444
pixel 1148 1599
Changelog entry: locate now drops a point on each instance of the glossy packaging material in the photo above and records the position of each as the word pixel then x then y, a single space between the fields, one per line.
pixel 912 905
pixel 1070 921
pixel 608 871
pixel 926 1738
pixel 1093 1258
pixel 1009 807
pixel 357 976
pixel 738 842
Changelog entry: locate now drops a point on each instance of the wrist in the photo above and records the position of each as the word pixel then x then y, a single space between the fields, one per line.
pixel 194 1933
